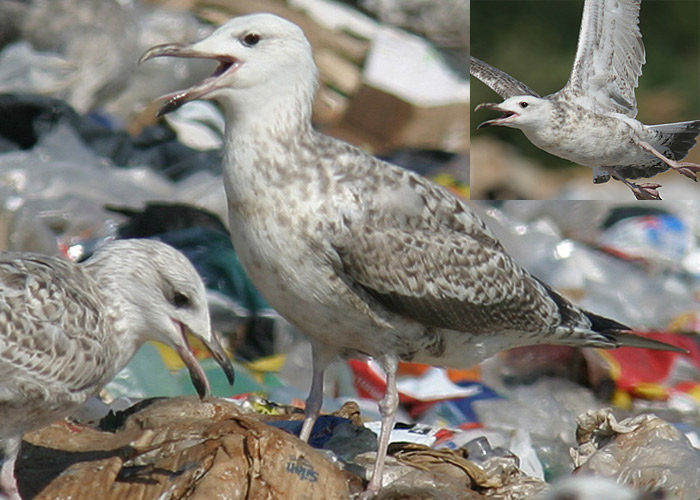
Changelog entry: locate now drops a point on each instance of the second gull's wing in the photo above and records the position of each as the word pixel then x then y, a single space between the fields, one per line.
pixel 609 57
pixel 421 253
pixel 45 314
pixel 499 81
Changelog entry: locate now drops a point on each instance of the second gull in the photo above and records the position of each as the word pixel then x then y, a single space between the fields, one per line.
pixel 591 121
pixel 364 257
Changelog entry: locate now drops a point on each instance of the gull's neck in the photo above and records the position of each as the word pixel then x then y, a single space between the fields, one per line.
pixel 270 116
pixel 262 141
pixel 112 280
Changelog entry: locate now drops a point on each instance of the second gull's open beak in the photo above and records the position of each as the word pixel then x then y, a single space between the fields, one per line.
pixel 502 120
pixel 199 378
pixel 171 102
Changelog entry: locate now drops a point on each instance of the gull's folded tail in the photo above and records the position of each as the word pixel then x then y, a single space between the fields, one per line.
pixel 620 335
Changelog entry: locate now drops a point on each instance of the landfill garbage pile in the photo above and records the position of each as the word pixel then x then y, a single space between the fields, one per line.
pixel 83 161
pixel 506 429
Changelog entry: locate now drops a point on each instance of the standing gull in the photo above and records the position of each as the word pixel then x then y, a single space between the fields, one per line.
pixel 67 329
pixel 364 257
pixel 591 121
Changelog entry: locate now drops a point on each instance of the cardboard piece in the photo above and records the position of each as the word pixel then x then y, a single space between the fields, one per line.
pixel 409 97
pixel 177 448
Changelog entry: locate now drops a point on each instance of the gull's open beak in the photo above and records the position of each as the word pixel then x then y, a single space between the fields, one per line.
pixel 171 102
pixel 502 120
pixel 217 351
pixel 199 378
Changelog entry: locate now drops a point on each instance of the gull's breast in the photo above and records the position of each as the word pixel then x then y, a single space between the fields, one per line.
pixel 588 138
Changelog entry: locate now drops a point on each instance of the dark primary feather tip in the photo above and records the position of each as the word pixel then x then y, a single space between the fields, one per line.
pixel 624 339
pixel 602 324
pixel 622 336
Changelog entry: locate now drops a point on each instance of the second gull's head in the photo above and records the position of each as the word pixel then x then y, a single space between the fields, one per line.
pixel 263 60
pixel 523 112
pixel 162 299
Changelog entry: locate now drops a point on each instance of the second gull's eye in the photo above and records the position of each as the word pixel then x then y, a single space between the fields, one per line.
pixel 251 39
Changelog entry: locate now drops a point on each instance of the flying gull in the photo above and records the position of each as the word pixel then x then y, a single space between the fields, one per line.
pixel 591 121
pixel 66 329
pixel 364 257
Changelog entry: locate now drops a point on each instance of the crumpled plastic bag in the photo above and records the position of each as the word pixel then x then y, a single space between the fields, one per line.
pixel 643 451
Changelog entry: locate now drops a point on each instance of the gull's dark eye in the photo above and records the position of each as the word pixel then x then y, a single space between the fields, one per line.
pixel 180 300
pixel 523 104
pixel 251 39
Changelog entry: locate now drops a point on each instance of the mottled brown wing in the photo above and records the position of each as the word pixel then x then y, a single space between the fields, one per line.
pixel 441 266
pixel 499 81
pixel 46 307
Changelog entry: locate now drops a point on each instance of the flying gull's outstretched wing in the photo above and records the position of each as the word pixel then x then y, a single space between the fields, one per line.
pixel 500 82
pixel 609 57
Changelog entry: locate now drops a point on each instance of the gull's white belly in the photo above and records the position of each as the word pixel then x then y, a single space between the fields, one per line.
pixel 592 140
pixel 290 266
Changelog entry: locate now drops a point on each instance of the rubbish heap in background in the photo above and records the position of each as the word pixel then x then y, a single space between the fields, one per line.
pixel 82 56
pixel 381 87
pixel 82 161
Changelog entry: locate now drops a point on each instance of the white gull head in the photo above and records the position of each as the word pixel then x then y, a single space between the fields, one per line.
pixel 264 61
pixel 161 298
pixel 523 112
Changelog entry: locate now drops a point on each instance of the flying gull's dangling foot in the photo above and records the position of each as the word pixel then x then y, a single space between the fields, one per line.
pixel 644 191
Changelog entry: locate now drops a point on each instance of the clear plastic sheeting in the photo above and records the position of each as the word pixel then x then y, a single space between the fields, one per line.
pixel 199 125
pixel 643 451
pixel 536 422
pixel 54 194
pixel 96 38
pixel 594 488
pixel 86 53
pixel 641 294
pixel 22 68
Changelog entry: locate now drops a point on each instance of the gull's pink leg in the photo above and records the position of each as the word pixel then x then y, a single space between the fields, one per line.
pixel 645 191
pixel 320 359
pixel 8 481
pixel 686 168
pixel 387 407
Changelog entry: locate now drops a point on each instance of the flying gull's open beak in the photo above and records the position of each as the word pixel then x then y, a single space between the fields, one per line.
pixel 199 378
pixel 171 102
pixel 501 120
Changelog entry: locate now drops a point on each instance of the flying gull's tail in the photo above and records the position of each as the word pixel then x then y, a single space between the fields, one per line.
pixel 679 137
pixel 672 140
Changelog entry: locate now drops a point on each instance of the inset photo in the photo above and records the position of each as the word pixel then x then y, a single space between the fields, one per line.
pixel 605 94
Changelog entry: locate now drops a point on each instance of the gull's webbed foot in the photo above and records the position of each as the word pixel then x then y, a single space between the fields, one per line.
pixel 688 169
pixel 645 191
